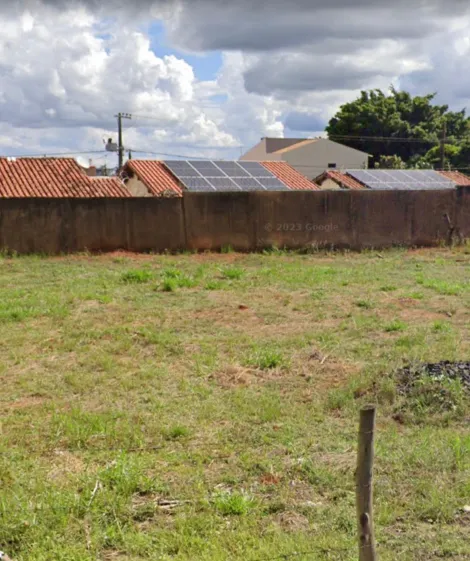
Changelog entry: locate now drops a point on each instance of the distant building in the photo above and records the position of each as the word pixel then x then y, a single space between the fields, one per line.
pixel 154 178
pixel 309 156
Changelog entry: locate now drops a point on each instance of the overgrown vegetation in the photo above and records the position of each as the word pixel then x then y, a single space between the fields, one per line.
pixel 204 407
pixel 399 115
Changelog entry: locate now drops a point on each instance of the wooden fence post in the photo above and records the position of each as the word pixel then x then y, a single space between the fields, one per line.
pixel 365 461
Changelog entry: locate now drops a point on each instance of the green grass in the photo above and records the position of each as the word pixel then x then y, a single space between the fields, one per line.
pixel 232 273
pixel 205 407
pixel 395 325
pixel 136 276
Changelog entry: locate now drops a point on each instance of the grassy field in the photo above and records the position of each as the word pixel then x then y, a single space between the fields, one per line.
pixel 204 407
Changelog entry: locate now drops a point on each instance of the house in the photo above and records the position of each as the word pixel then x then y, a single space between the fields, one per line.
pixel 330 179
pixel 171 178
pixel 309 156
pixel 410 179
pixel 54 178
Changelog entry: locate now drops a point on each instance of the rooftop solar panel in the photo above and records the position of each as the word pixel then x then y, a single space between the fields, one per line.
pixel 232 169
pixel 249 184
pixel 181 168
pixel 206 175
pixel 255 169
pixel 223 184
pixel 197 184
pixel 401 179
pixel 272 184
pixel 207 169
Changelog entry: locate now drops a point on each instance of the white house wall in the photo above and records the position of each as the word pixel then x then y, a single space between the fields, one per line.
pixel 313 159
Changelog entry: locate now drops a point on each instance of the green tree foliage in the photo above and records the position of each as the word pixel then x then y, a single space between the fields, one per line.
pixel 411 125
pixel 390 162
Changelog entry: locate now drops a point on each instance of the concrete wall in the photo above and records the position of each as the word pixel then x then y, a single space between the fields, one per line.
pixel 246 221
pixel 137 188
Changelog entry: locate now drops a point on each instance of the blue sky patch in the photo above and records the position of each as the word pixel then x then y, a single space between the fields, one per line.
pixel 205 66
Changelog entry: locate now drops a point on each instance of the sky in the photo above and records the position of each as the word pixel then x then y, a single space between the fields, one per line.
pixel 209 78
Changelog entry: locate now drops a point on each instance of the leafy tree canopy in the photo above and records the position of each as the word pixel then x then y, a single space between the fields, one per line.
pixel 412 126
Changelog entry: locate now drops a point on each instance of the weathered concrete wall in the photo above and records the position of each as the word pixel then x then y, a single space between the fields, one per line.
pixel 246 221
pixel 67 225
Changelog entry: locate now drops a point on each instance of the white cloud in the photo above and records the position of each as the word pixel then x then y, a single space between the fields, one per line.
pixel 286 68
pixel 69 72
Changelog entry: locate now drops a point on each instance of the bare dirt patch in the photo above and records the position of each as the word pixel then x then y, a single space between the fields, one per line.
pixel 234 376
pixel 65 464
pixel 325 372
pixel 291 521
pixel 26 402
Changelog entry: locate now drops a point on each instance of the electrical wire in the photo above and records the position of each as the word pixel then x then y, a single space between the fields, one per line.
pixel 385 139
pixel 185 157
pixel 52 155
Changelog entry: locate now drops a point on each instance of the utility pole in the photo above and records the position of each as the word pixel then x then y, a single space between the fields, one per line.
pixel 120 117
pixel 443 145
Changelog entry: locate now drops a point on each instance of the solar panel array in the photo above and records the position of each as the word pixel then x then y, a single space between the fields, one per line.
pixel 206 175
pixel 401 179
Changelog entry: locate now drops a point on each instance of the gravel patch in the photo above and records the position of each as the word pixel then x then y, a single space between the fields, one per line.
pixel 409 375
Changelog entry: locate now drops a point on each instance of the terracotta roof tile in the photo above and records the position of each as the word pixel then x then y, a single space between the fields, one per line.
pixel 342 179
pixel 155 175
pixel 52 177
pixel 110 184
pixel 290 176
pixel 457 177
pixel 158 178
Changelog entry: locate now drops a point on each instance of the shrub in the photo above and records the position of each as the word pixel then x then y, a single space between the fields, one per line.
pixel 136 276
pixel 235 503
pixel 266 359
pixel 395 325
pixel 232 273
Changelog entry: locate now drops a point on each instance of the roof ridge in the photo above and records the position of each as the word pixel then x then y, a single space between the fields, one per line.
pixel 304 142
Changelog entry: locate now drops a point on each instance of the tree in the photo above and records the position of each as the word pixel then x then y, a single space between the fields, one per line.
pixel 390 162
pixel 397 124
pixel 433 156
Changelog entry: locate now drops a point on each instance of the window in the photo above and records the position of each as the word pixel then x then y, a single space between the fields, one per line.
pixel 331 166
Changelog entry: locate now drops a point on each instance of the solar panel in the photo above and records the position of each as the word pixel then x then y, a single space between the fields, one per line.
pixel 401 179
pixel 223 184
pixel 255 169
pixel 197 184
pixel 361 175
pixel 232 169
pixel 249 184
pixel 272 184
pixel 206 175
pixel 181 168
pixel 207 169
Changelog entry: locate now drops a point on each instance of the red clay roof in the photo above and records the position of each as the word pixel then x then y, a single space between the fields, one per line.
pixel 110 183
pixel 343 180
pixel 290 176
pixel 457 177
pixel 52 177
pixel 155 175
pixel 158 178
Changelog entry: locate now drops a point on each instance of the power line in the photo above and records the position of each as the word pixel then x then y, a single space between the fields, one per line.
pixel 185 157
pixel 51 155
pixel 384 139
